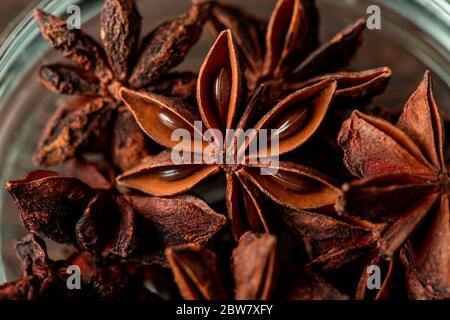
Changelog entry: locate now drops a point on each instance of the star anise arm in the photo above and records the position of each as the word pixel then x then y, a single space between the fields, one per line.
pixel 330 243
pixel 74 126
pixel 69 79
pixel 196 273
pixel 254 264
pixel 293 185
pixel 50 204
pixel 422 122
pixel 351 86
pixel 168 222
pixel 384 197
pixel 426 259
pixel 130 145
pixel 245 206
pixel 297 117
pixel 160 116
pixel 333 54
pixel 98 175
pixel 120 27
pixel 175 84
pixel 306 285
pixel 174 38
pixel 221 84
pixel 291 34
pixel 248 32
pixel 373 146
pixel 160 176
pixel 74 44
pixel 390 272
pixel 403 227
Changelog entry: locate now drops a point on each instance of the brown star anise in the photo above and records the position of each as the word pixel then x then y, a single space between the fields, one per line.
pixel 106 223
pixel 221 97
pixel 255 271
pixel 99 73
pixel 43 278
pixel 404 181
pixel 335 245
pixel 285 52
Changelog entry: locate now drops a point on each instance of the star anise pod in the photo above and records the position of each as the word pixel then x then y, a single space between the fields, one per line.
pixel 254 269
pixel 109 224
pixel 404 181
pixel 336 244
pixel 43 278
pixel 285 52
pixel 220 95
pixel 99 72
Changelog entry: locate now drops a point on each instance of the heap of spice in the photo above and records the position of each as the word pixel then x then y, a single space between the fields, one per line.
pixel 296 234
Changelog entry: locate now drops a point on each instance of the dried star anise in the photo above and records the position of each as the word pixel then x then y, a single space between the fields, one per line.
pixel 285 52
pixel 220 98
pixel 43 278
pixel 108 224
pixel 254 268
pixel 404 181
pixel 99 73
pixel 336 244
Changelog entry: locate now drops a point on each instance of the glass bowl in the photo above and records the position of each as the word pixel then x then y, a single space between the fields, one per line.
pixel 414 36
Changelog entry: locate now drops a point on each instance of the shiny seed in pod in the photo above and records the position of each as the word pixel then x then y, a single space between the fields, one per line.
pixel 222 91
pixel 177 172
pixel 289 122
pixel 172 121
pixel 296 182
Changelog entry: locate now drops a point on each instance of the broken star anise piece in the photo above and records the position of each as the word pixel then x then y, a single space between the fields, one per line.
pixel 99 73
pixel 220 95
pixel 404 181
pixel 100 221
pixel 285 52
pixel 335 244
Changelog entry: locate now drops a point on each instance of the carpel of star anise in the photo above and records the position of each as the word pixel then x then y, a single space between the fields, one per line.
pixel 43 278
pixel 99 72
pixel 336 244
pixel 285 52
pixel 221 99
pixel 108 224
pixel 404 181
pixel 254 268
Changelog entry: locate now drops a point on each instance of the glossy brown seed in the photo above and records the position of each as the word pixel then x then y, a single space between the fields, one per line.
pixel 171 121
pixel 289 122
pixel 222 91
pixel 177 173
